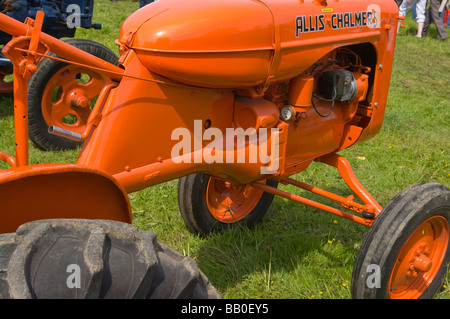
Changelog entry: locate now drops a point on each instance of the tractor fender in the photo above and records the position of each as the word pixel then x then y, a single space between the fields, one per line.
pixel 47 191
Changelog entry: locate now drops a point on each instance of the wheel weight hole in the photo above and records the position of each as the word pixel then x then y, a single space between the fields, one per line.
pixel 70 119
pixel 83 78
pixel 57 94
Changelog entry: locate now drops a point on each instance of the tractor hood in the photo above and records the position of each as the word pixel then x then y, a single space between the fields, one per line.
pixel 199 25
pixel 247 43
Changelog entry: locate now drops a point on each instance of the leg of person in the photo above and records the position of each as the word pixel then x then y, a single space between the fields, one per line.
pixel 421 17
pixel 403 10
pixel 406 7
pixel 436 18
pixel 427 23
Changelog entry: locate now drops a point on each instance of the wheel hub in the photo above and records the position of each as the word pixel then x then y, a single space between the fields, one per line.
pixel 422 263
pixel 230 203
pixel 67 97
pixel 78 98
pixel 419 260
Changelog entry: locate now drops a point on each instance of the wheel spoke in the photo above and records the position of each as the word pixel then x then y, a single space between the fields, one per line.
pixel 94 86
pixel 66 112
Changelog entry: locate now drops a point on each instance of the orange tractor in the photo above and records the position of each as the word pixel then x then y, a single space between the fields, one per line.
pixel 231 98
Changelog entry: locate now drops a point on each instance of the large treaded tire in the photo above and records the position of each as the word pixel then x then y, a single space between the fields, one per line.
pixel 114 260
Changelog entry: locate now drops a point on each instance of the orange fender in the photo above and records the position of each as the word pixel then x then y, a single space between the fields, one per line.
pixel 59 191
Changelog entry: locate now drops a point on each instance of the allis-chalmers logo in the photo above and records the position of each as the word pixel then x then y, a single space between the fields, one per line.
pixel 339 20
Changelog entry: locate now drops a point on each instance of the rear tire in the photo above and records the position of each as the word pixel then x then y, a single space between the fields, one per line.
pixel 96 259
pixel 50 90
pixel 406 251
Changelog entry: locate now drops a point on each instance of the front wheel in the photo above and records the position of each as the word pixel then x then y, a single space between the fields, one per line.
pixel 405 252
pixel 208 204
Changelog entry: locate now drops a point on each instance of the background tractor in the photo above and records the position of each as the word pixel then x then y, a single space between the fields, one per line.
pixel 55 24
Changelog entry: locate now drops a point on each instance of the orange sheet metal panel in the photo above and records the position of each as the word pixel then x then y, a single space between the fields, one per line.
pixel 59 191
pixel 236 43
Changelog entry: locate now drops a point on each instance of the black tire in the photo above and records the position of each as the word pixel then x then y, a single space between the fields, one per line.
pixel 49 259
pixel 38 127
pixel 390 232
pixel 196 214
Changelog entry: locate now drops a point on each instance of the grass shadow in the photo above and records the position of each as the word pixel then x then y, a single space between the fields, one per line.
pixel 293 243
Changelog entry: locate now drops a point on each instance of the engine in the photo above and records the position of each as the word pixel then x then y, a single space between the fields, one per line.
pixel 316 71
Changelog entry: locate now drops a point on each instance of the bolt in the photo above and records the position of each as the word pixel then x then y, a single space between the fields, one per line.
pixel 82 101
pixel 32 67
pixel 422 263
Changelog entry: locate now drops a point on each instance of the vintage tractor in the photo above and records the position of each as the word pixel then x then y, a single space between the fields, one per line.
pixel 232 98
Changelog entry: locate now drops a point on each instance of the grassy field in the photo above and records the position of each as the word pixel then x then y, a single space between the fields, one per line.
pixel 297 251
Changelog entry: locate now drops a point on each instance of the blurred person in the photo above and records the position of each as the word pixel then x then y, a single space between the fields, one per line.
pixel 407 5
pixel 433 15
pixel 445 6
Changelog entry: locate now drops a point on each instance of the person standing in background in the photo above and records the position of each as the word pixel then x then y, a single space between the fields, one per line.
pixel 433 15
pixel 421 5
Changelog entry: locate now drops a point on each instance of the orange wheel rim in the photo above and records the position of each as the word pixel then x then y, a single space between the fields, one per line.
pixel 420 259
pixel 228 203
pixel 68 95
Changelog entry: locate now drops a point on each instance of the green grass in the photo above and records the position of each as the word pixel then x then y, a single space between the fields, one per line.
pixel 297 251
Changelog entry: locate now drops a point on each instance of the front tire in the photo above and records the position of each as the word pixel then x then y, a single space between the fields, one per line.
pixel 408 244
pixel 208 204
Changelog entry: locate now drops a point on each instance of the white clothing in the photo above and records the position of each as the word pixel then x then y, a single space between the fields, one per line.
pixel 406 6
